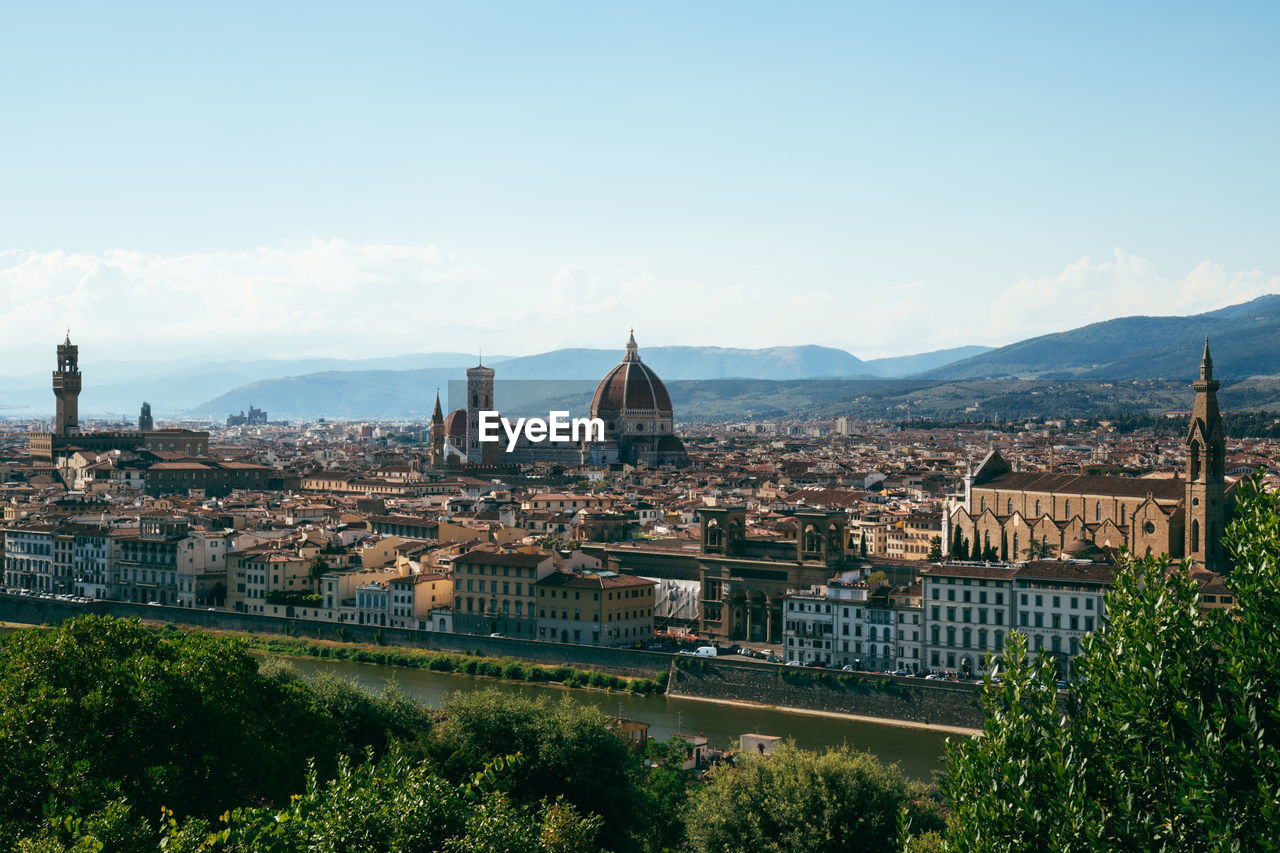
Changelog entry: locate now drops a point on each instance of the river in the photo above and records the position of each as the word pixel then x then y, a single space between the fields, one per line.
pixel 917 752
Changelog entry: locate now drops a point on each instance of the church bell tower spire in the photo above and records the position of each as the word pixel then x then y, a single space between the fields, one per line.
pixel 1206 463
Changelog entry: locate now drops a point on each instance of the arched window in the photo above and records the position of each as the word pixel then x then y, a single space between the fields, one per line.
pixel 1195 535
pixel 1122 509
pixel 1097 511
pixel 982 504
pixel 1037 509
pixel 1008 506
pixel 1067 509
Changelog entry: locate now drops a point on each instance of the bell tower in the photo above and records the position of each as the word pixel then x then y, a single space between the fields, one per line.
pixel 66 388
pixel 1206 463
pixel 479 398
pixel 437 435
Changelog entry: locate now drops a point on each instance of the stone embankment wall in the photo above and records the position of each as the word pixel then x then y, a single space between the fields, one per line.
pixel 625 662
pixel 728 678
pixel 865 694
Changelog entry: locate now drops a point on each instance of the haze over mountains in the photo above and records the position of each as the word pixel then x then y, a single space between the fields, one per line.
pixel 405 385
pixel 1245 343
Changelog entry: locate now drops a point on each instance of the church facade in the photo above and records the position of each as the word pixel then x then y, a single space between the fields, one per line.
pixel 1026 515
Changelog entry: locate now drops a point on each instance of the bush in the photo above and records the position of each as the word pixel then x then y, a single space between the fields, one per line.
pixel 799 801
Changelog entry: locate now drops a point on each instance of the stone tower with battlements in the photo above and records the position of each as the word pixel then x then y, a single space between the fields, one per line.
pixel 66 389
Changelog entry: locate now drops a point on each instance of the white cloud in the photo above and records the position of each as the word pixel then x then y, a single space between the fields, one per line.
pixel 331 297
pixel 1089 291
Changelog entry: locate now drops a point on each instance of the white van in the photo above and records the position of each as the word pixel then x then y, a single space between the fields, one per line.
pixel 705 651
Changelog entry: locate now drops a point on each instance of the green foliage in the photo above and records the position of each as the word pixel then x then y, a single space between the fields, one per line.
pixel 318 567
pixel 798 801
pixel 935 549
pixel 395 804
pixel 294 596
pixel 368 721
pixel 99 710
pixel 507 668
pixel 566 749
pixel 1170 739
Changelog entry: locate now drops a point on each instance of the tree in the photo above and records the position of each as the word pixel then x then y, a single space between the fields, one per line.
pixel 318 567
pixel 1004 546
pixel 393 805
pixel 959 547
pixel 799 801
pixel 566 748
pixel 935 549
pixel 1170 737
pixel 976 554
pixel 100 710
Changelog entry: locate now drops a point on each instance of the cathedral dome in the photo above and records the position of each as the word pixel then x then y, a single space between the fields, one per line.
pixel 631 387
pixel 455 426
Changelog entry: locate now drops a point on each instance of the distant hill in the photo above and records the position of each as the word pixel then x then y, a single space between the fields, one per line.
pixel 672 363
pixel 405 385
pixel 1244 339
pixel 910 365
pixel 530 380
pixel 178 385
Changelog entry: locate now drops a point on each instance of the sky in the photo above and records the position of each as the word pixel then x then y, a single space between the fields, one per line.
pixel 368 179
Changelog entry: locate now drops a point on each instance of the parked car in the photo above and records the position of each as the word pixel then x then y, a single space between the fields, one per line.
pixel 772 659
pixel 847 668
pixel 496 634
pixel 934 676
pixel 901 671
pixel 706 651
pixel 794 663
pixel 685 652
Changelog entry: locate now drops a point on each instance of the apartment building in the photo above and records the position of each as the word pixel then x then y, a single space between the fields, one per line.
pixel 595 608
pixel 494 592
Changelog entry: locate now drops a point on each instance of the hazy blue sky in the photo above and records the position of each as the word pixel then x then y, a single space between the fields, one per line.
pixel 371 178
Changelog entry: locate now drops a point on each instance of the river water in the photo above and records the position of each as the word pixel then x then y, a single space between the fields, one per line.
pixel 917 752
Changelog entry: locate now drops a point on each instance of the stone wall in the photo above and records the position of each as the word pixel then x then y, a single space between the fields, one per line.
pixel 731 678
pixel 626 662
pixel 865 694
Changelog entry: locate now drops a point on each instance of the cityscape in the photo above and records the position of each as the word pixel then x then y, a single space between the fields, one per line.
pixel 564 428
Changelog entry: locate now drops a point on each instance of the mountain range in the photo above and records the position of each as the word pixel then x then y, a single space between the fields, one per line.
pixel 707 380
pixel 1245 342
